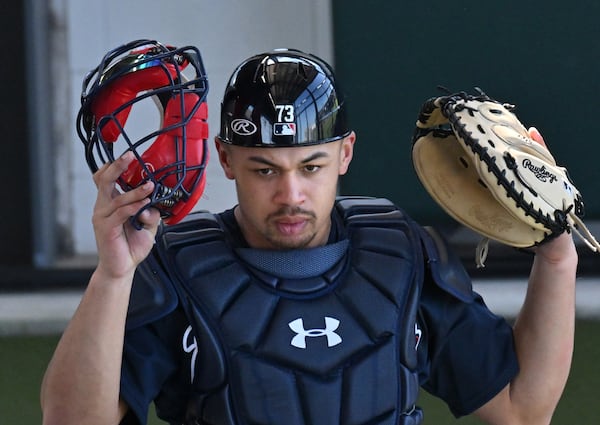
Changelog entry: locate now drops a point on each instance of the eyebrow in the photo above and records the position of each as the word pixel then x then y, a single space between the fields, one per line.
pixel 314 156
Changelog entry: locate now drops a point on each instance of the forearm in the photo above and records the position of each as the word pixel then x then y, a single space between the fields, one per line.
pixel 544 331
pixel 81 384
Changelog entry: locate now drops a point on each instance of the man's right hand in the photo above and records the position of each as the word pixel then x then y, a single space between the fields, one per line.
pixel 121 247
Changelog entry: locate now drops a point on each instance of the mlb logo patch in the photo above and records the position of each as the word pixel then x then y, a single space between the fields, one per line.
pixel 284 129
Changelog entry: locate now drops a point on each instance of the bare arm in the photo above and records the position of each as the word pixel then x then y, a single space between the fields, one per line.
pixel 81 384
pixel 544 333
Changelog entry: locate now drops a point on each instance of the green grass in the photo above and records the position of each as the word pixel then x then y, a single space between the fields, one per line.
pixel 24 359
pixel 579 402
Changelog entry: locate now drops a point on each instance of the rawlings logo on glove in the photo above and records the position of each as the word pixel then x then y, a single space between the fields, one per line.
pixel 480 164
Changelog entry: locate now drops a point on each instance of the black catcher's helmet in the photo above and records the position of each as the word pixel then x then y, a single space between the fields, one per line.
pixel 282 98
pixel 173 155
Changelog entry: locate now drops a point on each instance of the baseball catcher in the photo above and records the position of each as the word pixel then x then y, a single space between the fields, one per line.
pixel 484 168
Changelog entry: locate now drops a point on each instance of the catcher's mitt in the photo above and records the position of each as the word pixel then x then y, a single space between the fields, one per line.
pixel 479 163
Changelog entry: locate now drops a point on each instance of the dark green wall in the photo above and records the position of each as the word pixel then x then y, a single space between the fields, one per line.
pixel 543 57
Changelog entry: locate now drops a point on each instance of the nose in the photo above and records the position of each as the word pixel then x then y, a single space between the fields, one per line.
pixel 290 189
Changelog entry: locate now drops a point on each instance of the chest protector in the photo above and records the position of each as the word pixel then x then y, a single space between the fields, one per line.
pixel 333 346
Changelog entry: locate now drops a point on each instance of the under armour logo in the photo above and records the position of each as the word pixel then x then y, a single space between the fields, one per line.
pixel 299 341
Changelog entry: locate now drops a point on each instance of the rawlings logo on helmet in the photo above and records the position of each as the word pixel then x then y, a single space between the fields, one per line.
pixel 243 127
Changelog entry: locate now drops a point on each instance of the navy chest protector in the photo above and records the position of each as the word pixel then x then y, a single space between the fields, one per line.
pixel 324 336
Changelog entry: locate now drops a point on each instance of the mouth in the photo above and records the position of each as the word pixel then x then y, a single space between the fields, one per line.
pixel 291 225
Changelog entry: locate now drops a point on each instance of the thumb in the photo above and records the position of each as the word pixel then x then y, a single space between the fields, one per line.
pixel 534 134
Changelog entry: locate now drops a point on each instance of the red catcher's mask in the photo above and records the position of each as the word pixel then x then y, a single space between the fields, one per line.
pixel 173 156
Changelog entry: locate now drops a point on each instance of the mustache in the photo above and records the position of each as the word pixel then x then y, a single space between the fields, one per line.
pixel 291 211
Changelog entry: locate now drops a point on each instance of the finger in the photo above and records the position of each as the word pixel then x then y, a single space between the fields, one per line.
pixel 534 134
pixel 112 170
pixel 110 223
pixel 125 204
pixel 134 195
pixel 115 218
pixel 108 174
pixel 149 218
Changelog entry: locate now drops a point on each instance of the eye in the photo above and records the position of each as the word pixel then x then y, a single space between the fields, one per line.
pixel 265 171
pixel 312 168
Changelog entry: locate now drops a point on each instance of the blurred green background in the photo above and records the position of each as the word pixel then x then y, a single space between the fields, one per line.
pixel 390 56
pixel 24 359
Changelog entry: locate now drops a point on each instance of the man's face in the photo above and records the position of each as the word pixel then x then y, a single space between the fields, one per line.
pixel 286 194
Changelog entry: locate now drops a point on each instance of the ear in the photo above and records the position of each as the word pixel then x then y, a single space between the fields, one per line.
pixel 346 152
pixel 224 153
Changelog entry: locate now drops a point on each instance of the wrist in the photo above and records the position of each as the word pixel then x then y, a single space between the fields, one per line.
pixel 107 277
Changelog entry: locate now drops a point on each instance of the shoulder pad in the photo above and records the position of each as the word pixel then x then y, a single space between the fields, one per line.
pixel 349 206
pixel 196 228
pixel 364 211
pixel 153 294
pixel 446 269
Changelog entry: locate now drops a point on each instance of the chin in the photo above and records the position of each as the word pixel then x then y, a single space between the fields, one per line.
pixel 293 243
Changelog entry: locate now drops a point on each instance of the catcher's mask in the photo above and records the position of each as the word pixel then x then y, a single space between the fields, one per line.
pixel 282 98
pixel 174 155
